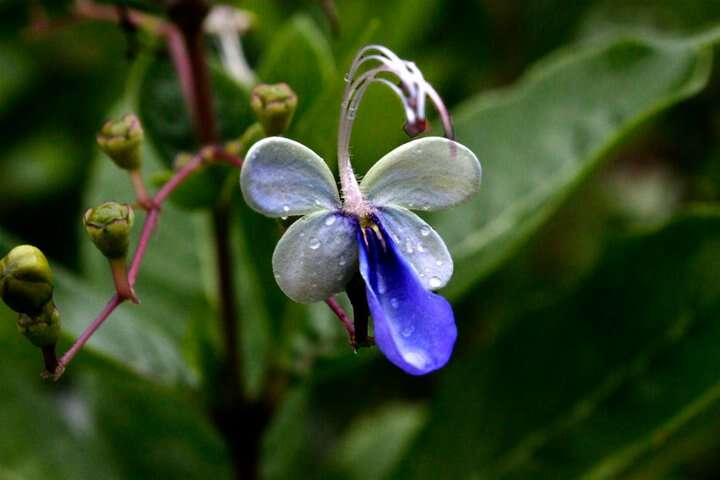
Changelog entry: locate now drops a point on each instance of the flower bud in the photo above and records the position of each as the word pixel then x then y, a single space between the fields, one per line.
pixel 43 329
pixel 109 226
pixel 274 106
pixel 121 140
pixel 26 283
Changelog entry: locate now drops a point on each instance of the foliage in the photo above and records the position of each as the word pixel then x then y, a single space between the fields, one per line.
pixel 586 279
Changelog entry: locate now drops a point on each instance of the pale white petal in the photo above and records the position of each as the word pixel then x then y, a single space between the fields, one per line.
pixel 425 174
pixel 281 177
pixel 316 257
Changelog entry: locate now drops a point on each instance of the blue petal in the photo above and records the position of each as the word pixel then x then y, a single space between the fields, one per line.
pixel 414 328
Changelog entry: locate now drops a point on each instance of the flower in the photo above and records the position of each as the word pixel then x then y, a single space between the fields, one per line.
pixel 371 229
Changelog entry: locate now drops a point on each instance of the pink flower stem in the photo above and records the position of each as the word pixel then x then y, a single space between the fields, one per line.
pixel 344 319
pixel 149 226
pixel 67 357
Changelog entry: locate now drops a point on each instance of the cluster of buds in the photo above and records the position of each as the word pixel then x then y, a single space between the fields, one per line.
pixel 26 286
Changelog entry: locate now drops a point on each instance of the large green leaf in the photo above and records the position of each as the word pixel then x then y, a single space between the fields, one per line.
pixel 593 383
pixel 542 137
pixel 89 426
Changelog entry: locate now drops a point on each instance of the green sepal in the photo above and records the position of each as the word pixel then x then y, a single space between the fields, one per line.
pixel 109 226
pixel 26 283
pixel 274 106
pixel 43 329
pixel 121 140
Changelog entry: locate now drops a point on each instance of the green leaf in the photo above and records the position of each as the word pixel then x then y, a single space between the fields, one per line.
pixel 300 56
pixel 89 422
pixel 538 140
pixel 594 383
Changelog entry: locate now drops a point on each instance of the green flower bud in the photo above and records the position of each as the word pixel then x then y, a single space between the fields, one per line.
pixel 274 106
pixel 109 226
pixel 26 283
pixel 43 329
pixel 121 141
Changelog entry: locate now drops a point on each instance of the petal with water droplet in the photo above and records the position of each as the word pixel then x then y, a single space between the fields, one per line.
pixel 316 258
pixel 430 173
pixel 281 177
pixel 422 246
pixel 414 328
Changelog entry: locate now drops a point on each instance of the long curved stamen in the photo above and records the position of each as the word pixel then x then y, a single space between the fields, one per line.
pixel 411 90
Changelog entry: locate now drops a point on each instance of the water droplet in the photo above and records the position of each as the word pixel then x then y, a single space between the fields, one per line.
pixel 318 202
pixel 435 282
pixel 314 244
pixel 382 288
pixel 302 234
pixel 438 263
pixel 424 231
pixel 411 204
pixel 342 262
pixel 420 247
pixel 283 218
pixel 286 208
pixel 347 77
pixel 407 331
pixel 409 247
pixel 330 220
pixel 394 302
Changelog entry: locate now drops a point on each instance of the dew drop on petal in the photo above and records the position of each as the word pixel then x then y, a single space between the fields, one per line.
pixel 286 208
pixel 438 263
pixel 394 302
pixel 424 231
pixel 409 247
pixel 314 244
pixel 420 247
pixel 283 218
pixel 435 282
pixel 342 262
pixel 330 220
pixel 382 288
pixel 407 331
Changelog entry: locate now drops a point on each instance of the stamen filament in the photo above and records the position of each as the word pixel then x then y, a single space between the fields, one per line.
pixel 411 90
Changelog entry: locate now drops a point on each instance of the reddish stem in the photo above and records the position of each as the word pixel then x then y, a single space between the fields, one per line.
pixel 115 300
pixel 139 187
pixel 344 319
pixel 149 226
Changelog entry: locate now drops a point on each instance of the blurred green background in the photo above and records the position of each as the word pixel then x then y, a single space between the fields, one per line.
pixel 587 284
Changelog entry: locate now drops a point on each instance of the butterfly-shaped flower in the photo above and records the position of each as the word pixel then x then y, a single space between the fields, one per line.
pixel 371 228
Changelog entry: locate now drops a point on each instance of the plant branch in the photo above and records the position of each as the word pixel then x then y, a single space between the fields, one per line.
pixel 344 319
pixel 151 221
